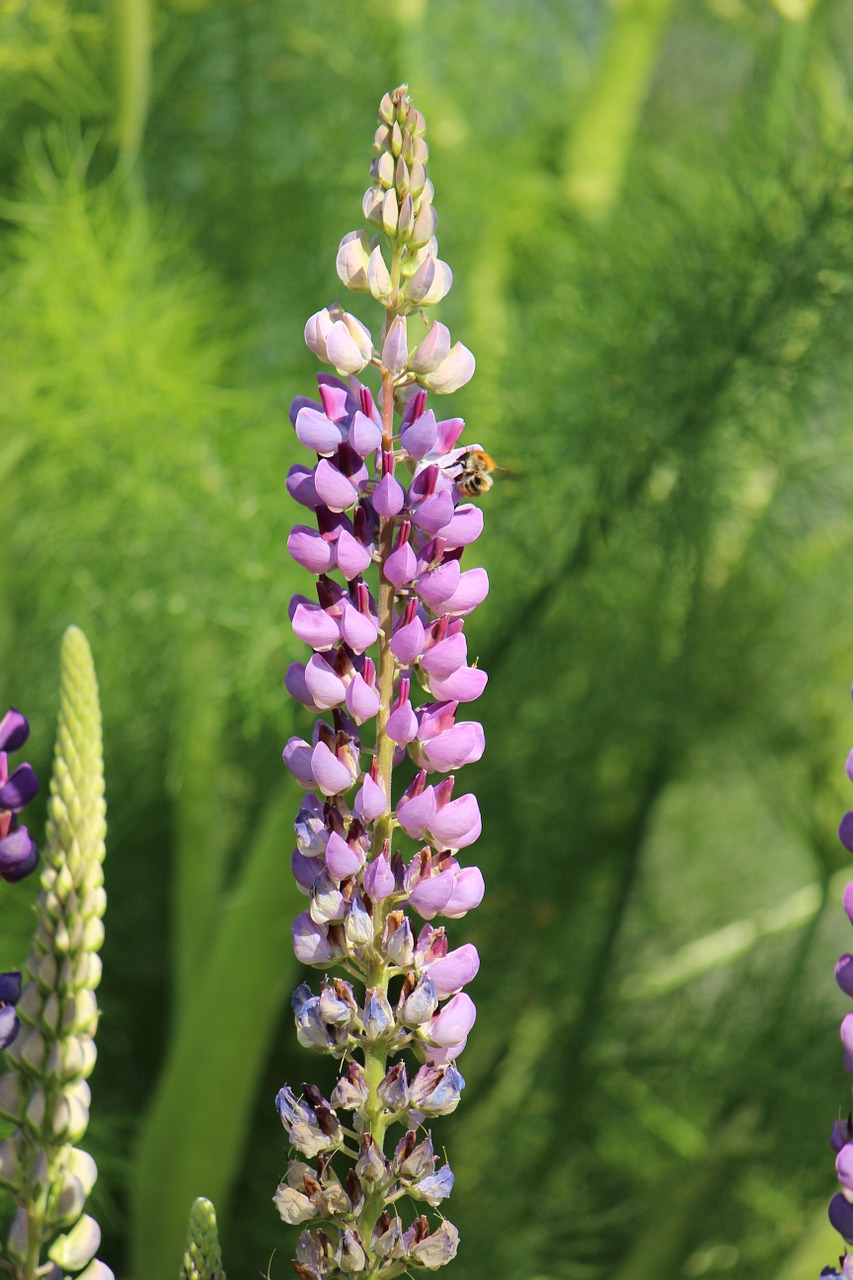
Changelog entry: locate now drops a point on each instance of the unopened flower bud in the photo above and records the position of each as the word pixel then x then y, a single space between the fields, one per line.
pixel 351 1091
pixel 395 348
pixel 390 213
pixel 370 1166
pixel 353 257
pixel 432 350
pixel 378 1016
pixel 454 371
pixel 379 277
pixel 393 1091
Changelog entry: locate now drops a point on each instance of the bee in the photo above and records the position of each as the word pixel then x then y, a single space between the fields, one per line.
pixel 475 473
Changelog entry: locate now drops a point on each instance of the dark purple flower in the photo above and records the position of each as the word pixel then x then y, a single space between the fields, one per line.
pixel 18 851
pixel 10 994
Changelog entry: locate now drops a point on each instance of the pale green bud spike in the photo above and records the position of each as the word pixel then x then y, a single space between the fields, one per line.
pixel 202 1256
pixel 76 810
pixel 45 1093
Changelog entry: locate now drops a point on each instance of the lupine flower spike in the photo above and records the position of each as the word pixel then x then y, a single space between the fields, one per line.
pixel 19 853
pixel 202 1256
pixel 45 1093
pixel 379 859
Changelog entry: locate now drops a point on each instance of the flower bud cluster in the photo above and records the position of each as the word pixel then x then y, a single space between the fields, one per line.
pixel 404 274
pixel 18 851
pixel 45 1093
pixel 390 681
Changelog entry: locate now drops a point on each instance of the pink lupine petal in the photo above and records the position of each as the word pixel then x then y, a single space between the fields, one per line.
pixel 294 683
pixel 414 814
pixel 455 970
pixel 435 718
pixel 438 1057
pixel 465 527
pixel 430 896
pixel 316 627
pixel 434 348
pixel 362 699
pixel 402 724
pixel 300 486
pixel 311 941
pixel 379 879
pixel 419 438
pixel 468 891
pixel 348 354
pixel 338 401
pixel 297 755
pixel 395 348
pixel 358 630
pixel 471 590
pixel 370 801
pixel 438 585
pixel 442 659
pixel 449 430
pixel 316 331
pixel 401 566
pixel 408 642
pixel 847 900
pixel 302 402
pixel 317 432
pixel 388 497
pixel 461 745
pixel 455 370
pixel 434 513
pixel 341 860
pixel 337 492
pixel 351 555
pixel 310 549
pixel 331 774
pixel 453 1022
pixel 364 434
pixel 326 687
pixel 458 824
pixel 465 685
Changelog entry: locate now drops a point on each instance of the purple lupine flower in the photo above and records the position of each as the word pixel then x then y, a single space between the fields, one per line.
pixel 10 994
pixel 18 851
pixel 841 1138
pixel 383 526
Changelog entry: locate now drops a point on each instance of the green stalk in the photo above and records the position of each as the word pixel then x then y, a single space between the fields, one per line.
pixel 376 1055
pixel 604 128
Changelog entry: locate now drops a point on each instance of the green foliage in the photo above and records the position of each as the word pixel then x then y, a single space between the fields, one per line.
pixel 668 637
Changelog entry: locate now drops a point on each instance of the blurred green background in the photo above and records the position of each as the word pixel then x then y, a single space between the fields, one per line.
pixel 648 209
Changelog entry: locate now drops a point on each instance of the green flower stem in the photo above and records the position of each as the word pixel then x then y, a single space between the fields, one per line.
pixel 376 1055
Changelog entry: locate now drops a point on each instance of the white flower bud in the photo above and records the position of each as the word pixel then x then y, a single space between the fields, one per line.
pixel 379 277
pixel 389 213
pixel 317 330
pixel 371 205
pixel 425 225
pixel 435 347
pixel 349 345
pixel 78 1246
pixel 384 166
pixel 430 283
pixel 352 260
pixel 454 371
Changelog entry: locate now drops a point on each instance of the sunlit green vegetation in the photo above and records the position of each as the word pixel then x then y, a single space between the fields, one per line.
pixel 649 215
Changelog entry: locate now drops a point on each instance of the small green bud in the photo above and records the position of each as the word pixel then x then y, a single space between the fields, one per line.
pixel 202 1256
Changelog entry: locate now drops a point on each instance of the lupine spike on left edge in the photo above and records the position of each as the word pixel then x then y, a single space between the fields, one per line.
pixel 384 534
